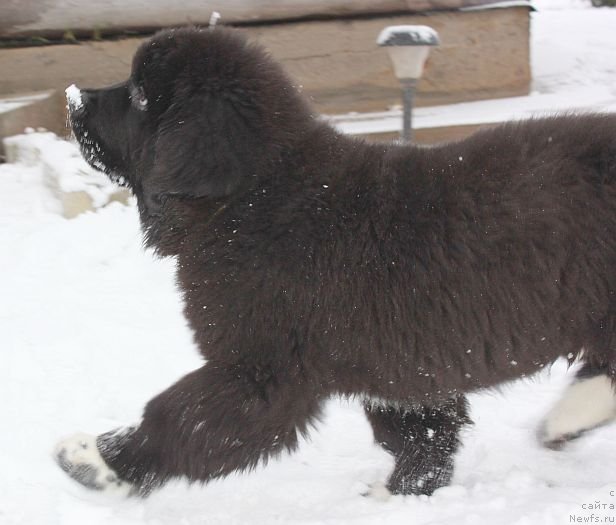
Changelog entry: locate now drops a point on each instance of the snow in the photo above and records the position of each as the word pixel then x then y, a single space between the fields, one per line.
pixel 73 96
pixel 579 98
pixel 499 5
pixel 63 167
pixel 408 35
pixel 92 328
pixel 11 103
pixel 214 18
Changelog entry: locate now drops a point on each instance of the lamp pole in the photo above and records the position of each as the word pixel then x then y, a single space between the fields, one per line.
pixel 408 48
pixel 408 94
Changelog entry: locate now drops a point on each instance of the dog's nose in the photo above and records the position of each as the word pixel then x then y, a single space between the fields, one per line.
pixel 79 99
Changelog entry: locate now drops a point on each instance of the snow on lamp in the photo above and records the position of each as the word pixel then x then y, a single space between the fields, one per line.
pixel 408 48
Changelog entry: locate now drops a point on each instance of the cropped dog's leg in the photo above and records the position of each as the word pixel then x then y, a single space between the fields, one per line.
pixel 422 440
pixel 588 402
pixel 215 420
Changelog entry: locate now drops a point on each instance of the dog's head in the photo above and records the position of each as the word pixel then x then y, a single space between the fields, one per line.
pixel 201 115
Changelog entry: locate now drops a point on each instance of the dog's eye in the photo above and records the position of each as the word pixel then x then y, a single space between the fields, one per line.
pixel 138 99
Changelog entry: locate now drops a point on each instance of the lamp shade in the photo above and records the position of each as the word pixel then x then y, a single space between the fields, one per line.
pixel 408 48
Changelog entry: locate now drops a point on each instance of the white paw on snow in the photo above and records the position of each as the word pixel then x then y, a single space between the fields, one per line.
pixel 378 491
pixel 586 404
pixel 79 457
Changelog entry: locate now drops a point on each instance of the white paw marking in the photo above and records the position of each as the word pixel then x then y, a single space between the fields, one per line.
pixel 79 457
pixel 586 404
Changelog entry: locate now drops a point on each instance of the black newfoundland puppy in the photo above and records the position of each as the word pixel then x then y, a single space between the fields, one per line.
pixel 313 264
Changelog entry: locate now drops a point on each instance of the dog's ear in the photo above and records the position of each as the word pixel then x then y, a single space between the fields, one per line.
pixel 202 148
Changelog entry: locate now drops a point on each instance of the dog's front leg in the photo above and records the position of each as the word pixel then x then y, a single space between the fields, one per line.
pixel 216 420
pixel 422 439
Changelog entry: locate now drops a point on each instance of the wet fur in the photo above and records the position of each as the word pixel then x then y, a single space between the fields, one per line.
pixel 313 264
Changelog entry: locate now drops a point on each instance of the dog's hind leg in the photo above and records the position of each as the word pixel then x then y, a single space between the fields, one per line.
pixel 422 439
pixel 215 420
pixel 588 402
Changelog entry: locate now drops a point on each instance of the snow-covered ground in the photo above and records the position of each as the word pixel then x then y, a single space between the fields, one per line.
pixel 81 301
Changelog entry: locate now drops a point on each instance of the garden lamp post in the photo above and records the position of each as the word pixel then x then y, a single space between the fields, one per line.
pixel 408 48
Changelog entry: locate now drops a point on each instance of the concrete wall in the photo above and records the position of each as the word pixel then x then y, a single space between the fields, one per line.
pixel 54 17
pixel 484 54
pixel 327 46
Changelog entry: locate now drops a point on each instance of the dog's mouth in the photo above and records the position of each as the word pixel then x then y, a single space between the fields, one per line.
pixel 90 146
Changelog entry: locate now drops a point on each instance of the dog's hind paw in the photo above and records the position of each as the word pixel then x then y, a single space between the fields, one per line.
pixel 588 403
pixel 79 457
pixel 557 443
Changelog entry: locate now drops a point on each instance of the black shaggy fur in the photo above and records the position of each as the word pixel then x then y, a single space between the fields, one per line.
pixel 313 264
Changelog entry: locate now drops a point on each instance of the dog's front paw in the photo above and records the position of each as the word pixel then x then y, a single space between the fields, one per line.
pixel 79 457
pixel 377 491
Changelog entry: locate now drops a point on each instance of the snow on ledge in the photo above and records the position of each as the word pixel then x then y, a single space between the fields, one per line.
pixel 15 102
pixel 408 35
pixel 588 99
pixel 500 5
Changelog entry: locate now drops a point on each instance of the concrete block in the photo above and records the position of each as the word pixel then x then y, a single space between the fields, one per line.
pixel 77 186
pixel 45 109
